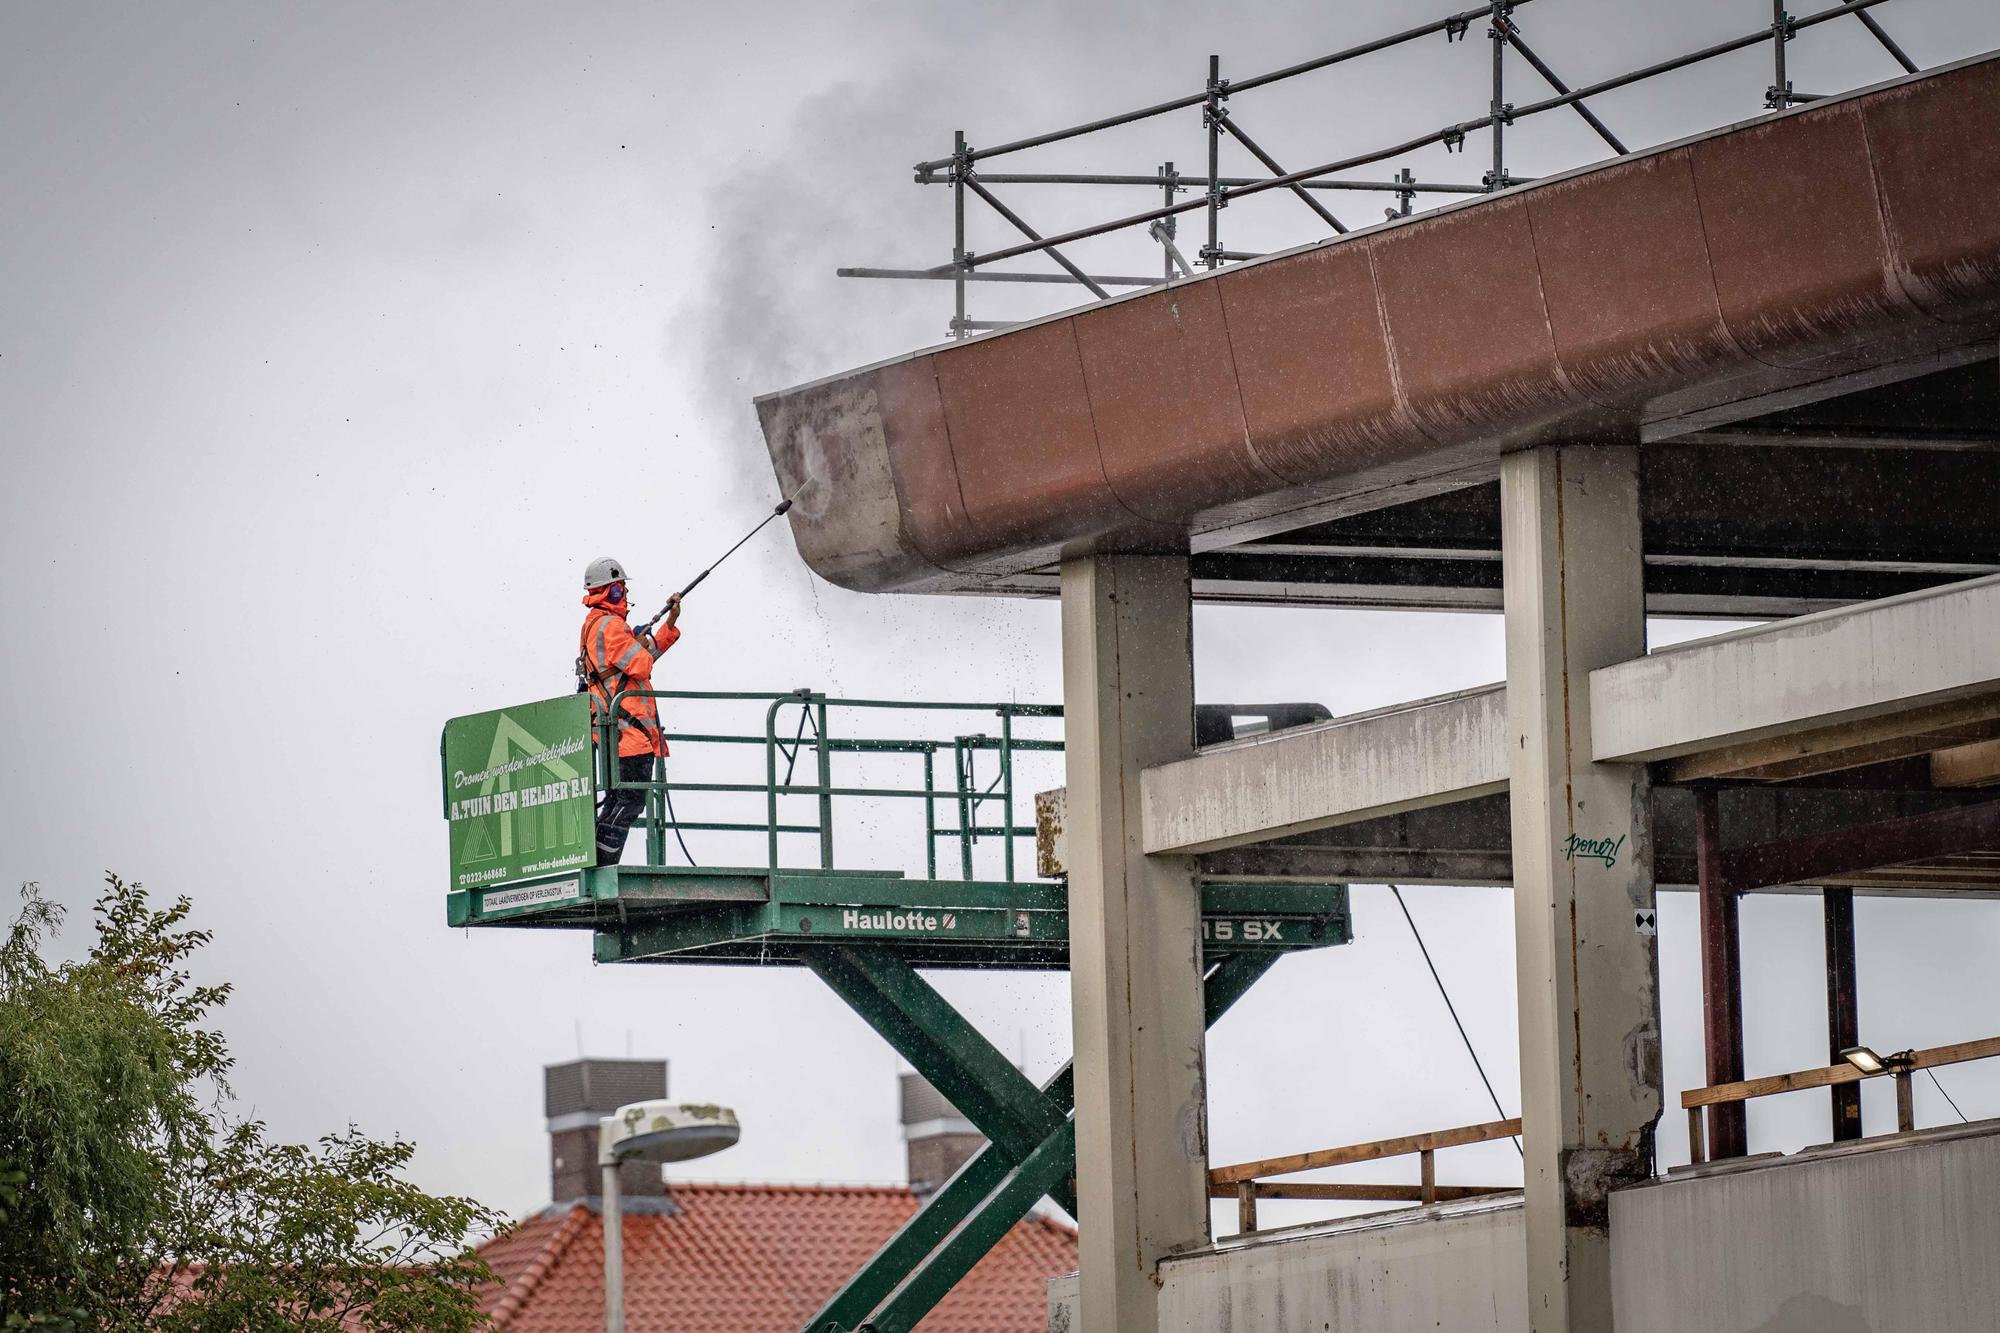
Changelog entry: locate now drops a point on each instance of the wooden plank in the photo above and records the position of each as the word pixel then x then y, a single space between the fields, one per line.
pixel 1983 1049
pixel 1968 877
pixel 1947 868
pixel 1976 765
pixel 1359 1193
pixel 1729 759
pixel 1775 1083
pixel 1958 1053
pixel 1364 1152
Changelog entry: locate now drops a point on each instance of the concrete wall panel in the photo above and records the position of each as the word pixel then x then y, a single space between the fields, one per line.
pixel 1780 310
pixel 1168 444
pixel 1933 144
pixel 1452 1267
pixel 1665 328
pixel 855 524
pixel 1468 333
pixel 1893 1236
pixel 1022 434
pixel 1289 328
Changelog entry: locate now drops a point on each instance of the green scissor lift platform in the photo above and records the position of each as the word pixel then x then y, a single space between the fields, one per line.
pixel 865 932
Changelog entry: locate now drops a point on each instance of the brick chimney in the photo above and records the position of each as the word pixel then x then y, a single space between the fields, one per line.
pixel 575 1096
pixel 937 1138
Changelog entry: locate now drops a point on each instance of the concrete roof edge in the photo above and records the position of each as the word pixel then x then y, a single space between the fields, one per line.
pixel 1443 210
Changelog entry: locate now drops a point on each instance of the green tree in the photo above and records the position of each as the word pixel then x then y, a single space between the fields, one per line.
pixel 140 1205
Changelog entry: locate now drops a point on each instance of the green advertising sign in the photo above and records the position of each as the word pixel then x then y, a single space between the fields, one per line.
pixel 520 791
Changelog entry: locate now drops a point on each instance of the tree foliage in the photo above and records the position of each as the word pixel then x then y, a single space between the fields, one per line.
pixel 129 1200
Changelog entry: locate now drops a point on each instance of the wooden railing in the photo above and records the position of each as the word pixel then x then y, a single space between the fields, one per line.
pixel 1246 1184
pixel 1901 1067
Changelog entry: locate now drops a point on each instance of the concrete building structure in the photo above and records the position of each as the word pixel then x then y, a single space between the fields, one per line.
pixel 1770 421
pixel 1892 1234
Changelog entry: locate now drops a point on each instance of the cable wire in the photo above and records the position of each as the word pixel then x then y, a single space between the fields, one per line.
pixel 1446 995
pixel 667 790
pixel 1947 1096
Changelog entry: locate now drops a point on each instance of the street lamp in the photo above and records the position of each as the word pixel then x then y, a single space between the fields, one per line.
pixel 649 1132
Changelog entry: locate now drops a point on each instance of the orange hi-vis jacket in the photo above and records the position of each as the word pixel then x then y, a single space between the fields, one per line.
pixel 617 659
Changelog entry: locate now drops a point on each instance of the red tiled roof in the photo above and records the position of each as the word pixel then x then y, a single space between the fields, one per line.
pixel 753 1259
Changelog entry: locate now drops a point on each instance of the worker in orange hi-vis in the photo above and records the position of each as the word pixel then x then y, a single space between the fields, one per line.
pixel 613 658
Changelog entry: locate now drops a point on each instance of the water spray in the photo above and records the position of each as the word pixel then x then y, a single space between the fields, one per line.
pixel 782 506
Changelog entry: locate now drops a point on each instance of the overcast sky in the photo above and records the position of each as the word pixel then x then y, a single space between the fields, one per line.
pixel 335 339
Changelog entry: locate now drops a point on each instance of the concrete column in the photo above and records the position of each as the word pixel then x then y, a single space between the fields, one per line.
pixel 1135 936
pixel 1583 872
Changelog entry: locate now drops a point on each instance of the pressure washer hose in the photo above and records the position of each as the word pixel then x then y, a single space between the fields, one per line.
pixel 783 505
pixel 666 788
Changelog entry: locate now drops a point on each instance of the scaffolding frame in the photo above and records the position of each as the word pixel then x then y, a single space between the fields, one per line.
pixel 961 170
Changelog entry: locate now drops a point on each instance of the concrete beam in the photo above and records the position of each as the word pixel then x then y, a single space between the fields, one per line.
pixel 1431 752
pixel 1135 936
pixel 1921 650
pixel 1459 844
pixel 1469 842
pixel 1829 857
pixel 1975 765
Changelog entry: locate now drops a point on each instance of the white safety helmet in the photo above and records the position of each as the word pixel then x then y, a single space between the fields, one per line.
pixel 602 571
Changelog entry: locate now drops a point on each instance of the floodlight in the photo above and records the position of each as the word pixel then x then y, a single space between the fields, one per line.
pixel 1869 1063
pixel 1865 1060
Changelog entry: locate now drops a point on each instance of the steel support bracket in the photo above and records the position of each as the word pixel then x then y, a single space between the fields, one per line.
pixel 942 1046
pixel 1053 1161
pixel 995 1189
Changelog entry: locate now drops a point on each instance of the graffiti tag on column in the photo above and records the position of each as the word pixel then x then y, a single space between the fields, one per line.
pixel 1593 849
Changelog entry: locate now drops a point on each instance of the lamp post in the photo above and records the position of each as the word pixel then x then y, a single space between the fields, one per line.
pixel 649 1132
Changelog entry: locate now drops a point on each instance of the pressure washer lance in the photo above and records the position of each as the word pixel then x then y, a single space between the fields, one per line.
pixel 783 505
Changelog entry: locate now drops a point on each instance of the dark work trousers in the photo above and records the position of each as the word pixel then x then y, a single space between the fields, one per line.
pixel 621 806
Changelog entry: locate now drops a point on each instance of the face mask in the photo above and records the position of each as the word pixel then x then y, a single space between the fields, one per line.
pixel 616 596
